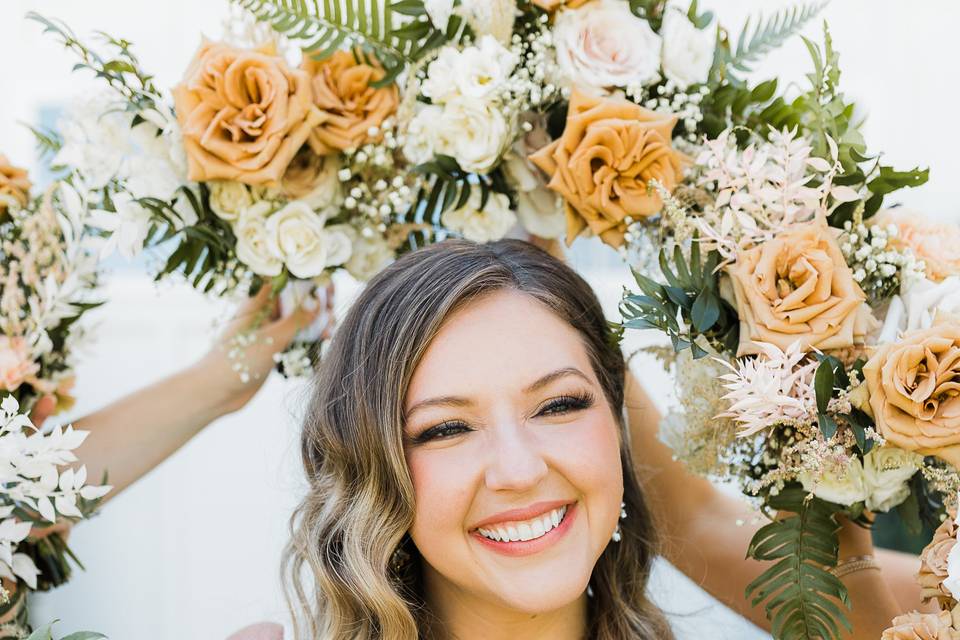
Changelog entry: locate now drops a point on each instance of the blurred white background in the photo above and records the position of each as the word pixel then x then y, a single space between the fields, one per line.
pixel 192 551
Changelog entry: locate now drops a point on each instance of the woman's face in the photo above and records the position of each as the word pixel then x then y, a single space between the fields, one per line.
pixel 514 454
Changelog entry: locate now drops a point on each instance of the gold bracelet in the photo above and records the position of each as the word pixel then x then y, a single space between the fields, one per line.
pixel 854 564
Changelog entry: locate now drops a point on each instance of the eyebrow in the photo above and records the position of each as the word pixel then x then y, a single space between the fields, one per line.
pixel 459 401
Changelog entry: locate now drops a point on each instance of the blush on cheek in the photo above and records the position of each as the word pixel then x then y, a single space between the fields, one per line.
pixel 443 488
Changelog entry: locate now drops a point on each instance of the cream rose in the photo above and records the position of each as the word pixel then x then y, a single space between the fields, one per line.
pixel 916 307
pixel 253 249
pixel 14 185
pixel 296 234
pixel 419 144
pixel 352 110
pixel 842 485
pixel 603 45
pixel 228 198
pixel 472 132
pixel 369 255
pixel 937 244
pixel 609 151
pixel 16 365
pixel 244 114
pixel 687 51
pixel 886 471
pixel 493 222
pixel 314 180
pixel 914 387
pixel 540 210
pixel 478 71
pixel 922 626
pixel 798 287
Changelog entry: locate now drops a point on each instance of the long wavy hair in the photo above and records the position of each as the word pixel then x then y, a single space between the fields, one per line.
pixel 343 580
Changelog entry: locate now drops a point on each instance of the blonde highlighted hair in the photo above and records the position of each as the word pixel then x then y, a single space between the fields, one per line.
pixel 340 580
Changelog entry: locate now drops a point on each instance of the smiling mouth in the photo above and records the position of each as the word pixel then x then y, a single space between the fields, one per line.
pixel 525 530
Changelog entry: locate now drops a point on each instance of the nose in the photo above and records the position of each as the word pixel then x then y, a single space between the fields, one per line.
pixel 515 462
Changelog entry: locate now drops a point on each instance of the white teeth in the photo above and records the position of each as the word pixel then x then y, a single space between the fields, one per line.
pixel 529 530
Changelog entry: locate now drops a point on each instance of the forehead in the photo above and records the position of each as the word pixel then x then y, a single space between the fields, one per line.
pixel 503 341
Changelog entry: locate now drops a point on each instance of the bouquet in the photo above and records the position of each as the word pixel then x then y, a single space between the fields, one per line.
pixel 813 335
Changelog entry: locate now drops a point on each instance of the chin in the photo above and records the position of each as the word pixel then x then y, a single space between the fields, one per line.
pixel 537 592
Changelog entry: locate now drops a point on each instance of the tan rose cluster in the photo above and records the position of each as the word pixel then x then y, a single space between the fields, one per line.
pixel 14 185
pixel 914 390
pixel 245 114
pixel 937 244
pixel 603 163
pixel 798 286
pixel 922 626
pixel 933 564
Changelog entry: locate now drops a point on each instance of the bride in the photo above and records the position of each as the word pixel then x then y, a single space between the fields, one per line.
pixel 469 473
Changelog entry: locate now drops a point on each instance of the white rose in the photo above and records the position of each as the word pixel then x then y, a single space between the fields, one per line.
pixel 886 472
pixel 844 486
pixel 228 198
pixel 370 253
pixel 916 307
pixel 540 209
pixel 491 223
pixel 952 581
pixel 687 51
pixel 418 147
pixel 296 234
pixel 472 132
pixel 253 249
pixel 602 45
pixel 439 12
pixel 478 71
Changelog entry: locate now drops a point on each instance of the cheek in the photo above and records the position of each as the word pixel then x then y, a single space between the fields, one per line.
pixel 443 486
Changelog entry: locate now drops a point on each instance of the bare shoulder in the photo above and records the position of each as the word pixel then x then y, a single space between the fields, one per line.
pixel 259 631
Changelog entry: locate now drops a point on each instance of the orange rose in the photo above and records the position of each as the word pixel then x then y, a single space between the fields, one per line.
pixel 609 151
pixel 914 387
pixel 553 5
pixel 16 363
pixel 922 626
pixel 350 106
pixel 244 114
pixel 933 563
pixel 798 287
pixel 937 244
pixel 14 185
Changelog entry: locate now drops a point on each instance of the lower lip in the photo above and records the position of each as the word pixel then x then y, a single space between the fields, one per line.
pixel 530 547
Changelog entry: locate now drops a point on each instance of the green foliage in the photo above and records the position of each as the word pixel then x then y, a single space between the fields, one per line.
pixel 396 33
pixel 759 38
pixel 832 377
pixel 122 72
pixel 687 307
pixel 649 10
pixel 798 588
pixel 46 633
pixel 48 141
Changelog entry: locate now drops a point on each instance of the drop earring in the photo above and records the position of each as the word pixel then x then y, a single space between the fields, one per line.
pixel 618 534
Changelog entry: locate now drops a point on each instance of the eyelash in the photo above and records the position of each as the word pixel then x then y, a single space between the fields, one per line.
pixel 554 407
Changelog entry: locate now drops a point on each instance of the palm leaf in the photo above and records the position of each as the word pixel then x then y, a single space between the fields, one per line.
pixel 798 589
pixel 396 33
pixel 770 33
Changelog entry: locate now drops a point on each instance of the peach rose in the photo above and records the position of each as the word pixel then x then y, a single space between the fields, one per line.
pixel 16 365
pixel 601 165
pixel 14 185
pixel 244 114
pixel 937 244
pixel 798 287
pixel 350 106
pixel 933 563
pixel 922 626
pixel 914 387
pixel 553 5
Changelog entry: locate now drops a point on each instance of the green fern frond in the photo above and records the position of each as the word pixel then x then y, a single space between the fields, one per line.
pixel 770 33
pixel 48 141
pixel 798 589
pixel 397 33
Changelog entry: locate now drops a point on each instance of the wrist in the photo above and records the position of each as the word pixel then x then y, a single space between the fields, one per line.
pixel 213 386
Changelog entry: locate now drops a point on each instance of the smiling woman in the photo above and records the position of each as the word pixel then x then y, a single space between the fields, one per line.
pixel 467 460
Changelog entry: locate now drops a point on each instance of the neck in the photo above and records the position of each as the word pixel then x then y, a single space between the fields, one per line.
pixel 465 617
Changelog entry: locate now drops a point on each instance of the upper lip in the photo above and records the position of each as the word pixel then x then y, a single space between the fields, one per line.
pixel 519 515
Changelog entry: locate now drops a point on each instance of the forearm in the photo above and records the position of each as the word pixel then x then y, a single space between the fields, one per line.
pixel 131 436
